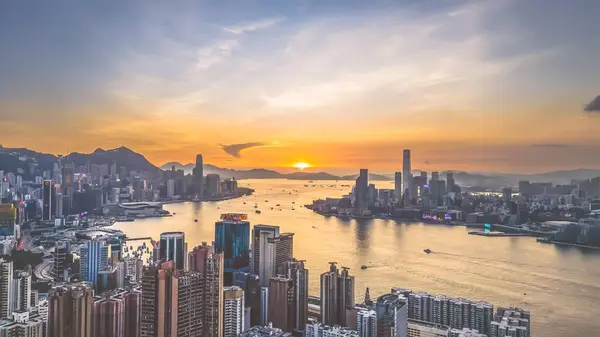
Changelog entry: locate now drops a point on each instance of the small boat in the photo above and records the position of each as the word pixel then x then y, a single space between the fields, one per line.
pixel 278 205
pixel 314 227
pixel 363 267
pixel 257 211
pixel 266 200
pixel 293 202
pixel 174 213
pixel 427 250
pixel 195 220
pixel 244 202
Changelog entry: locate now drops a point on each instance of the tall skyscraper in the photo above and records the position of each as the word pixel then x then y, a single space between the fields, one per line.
pixel 264 306
pixel 204 260
pixel 108 316
pixel 47 196
pixel 295 271
pixel 21 290
pixel 233 313
pixel 198 178
pixel 366 323
pixel 449 182
pixel 232 238
pixel 133 307
pixel 337 295
pixel 406 173
pixel 360 191
pixel 261 265
pixel 6 288
pixel 250 284
pixel 70 310
pixel 190 303
pixel 159 300
pixel 94 258
pixel 397 187
pixel 282 304
pixel 62 252
pixel 172 248
pixel 392 315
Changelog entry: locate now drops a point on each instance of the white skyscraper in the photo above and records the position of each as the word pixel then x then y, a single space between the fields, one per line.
pixel 6 283
pixel 233 311
pixel 366 323
pixel 263 252
pixel 406 169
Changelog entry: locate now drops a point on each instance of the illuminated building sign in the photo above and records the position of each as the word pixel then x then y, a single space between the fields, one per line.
pixel 234 217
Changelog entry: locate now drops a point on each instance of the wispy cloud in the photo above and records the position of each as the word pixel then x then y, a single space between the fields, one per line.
pixel 593 106
pixel 236 149
pixel 210 55
pixel 253 26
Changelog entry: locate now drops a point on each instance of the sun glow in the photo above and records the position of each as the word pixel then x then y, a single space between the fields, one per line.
pixel 301 165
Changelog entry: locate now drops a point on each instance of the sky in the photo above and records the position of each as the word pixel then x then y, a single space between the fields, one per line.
pixel 483 86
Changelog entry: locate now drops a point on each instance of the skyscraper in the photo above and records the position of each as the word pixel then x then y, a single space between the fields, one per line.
pixel 70 310
pixel 172 248
pixel 133 307
pixel 397 187
pixel 108 318
pixel 190 303
pixel 366 323
pixel 47 196
pixel 406 173
pixel 232 238
pixel 449 182
pixel 159 300
pixel 21 290
pixel 360 191
pixel 250 284
pixel 295 271
pixel 198 178
pixel 337 295
pixel 392 315
pixel 233 313
pixel 213 185
pixel 282 303
pixel 264 306
pixel 94 258
pixel 62 252
pixel 6 288
pixel 261 264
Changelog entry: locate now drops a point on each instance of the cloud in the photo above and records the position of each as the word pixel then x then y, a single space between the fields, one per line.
pixel 210 55
pixel 550 145
pixel 235 149
pixel 253 26
pixel 593 106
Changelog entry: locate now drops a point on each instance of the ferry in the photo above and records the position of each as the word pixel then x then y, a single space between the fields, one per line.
pixel 257 211
pixel 428 251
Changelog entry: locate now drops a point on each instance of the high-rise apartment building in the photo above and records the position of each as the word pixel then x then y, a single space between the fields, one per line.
pixel 337 295
pixel 392 315
pixel 6 288
pixel 232 238
pixel 94 258
pixel 47 196
pixel 159 301
pixel 250 284
pixel 406 174
pixel 172 248
pixel 282 304
pixel 264 306
pixel 108 316
pixel 70 310
pixel 21 290
pixel 317 329
pixel 190 303
pixel 23 324
pixel 233 312
pixel 510 322
pixel 366 323
pixel 62 254
pixel 295 271
pixel 133 307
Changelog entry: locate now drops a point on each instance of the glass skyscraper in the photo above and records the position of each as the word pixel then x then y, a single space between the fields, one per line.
pixel 232 238
pixel 172 248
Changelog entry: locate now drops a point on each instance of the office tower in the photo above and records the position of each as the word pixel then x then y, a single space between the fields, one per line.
pixel 263 253
pixel 449 182
pixel 250 284
pixel 506 195
pixel 392 315
pixel 397 187
pixel 58 207
pixel 337 295
pixel 115 250
pixel 366 323
pixel 6 288
pixel 47 196
pixel 106 280
pixel 8 217
pixel 204 260
pixel 190 303
pixel 70 310
pixel 159 302
pixel 198 178
pixel 172 248
pixel 232 238
pixel 295 271
pixel 435 175
pixel 170 188
pixel 23 324
pixel 21 290
pixel 406 173
pixel 94 258
pixel 213 185
pixel 282 304
pixel 108 316
pixel 264 306
pixel 360 191
pixel 233 313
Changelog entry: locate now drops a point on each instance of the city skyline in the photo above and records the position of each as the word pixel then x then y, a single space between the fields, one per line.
pixel 474 86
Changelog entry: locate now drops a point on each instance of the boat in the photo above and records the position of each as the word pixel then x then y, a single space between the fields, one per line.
pixel 427 250
pixel 174 213
pixel 363 267
pixel 293 202
pixel 314 227
pixel 195 220
pixel 244 202
pixel 257 211
pixel 278 205
pixel 255 205
pixel 266 200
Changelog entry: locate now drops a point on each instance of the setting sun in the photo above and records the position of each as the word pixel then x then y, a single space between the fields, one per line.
pixel 301 165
